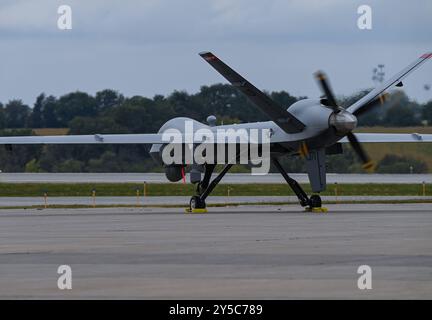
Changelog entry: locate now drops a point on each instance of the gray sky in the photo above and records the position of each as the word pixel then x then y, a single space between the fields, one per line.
pixel 151 46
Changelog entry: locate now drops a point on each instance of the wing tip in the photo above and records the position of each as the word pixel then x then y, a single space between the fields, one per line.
pixel 207 55
pixel 320 75
pixel 426 55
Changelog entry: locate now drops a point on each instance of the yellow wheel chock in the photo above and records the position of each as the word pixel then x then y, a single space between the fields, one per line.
pixel 189 210
pixel 316 210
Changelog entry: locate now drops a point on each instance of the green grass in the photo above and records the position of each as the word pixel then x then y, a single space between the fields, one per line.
pixel 163 189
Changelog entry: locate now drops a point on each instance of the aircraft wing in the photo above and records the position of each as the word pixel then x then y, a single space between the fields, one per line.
pixel 85 139
pixel 284 119
pixel 146 138
pixel 390 137
pixel 396 79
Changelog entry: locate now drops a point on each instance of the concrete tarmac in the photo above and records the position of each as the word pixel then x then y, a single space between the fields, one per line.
pixel 245 252
pixel 230 178
pixel 184 200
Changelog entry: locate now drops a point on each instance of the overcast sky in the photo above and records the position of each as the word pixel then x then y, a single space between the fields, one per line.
pixel 151 47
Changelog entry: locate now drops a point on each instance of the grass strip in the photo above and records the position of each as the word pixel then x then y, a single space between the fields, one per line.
pixel 165 189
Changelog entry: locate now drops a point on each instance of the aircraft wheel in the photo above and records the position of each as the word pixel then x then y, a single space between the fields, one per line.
pixel 196 203
pixel 315 201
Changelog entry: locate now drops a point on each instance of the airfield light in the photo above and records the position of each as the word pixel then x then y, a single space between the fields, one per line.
pixel 336 192
pixel 94 197
pixel 45 199
pixel 137 197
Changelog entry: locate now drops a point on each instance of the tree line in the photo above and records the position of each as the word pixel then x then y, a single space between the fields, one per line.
pixel 108 111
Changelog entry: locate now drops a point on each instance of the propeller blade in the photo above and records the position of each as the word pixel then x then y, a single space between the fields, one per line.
pixel 303 150
pixel 380 100
pixel 325 87
pixel 368 164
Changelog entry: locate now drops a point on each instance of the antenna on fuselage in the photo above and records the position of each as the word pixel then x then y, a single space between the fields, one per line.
pixel 211 120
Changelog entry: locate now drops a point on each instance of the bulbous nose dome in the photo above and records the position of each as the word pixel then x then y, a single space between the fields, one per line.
pixel 343 121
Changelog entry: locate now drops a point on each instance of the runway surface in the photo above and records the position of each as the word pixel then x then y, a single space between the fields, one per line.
pixel 247 252
pixel 184 200
pixel 231 178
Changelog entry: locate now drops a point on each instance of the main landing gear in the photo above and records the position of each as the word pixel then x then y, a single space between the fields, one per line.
pixel 313 203
pixel 205 187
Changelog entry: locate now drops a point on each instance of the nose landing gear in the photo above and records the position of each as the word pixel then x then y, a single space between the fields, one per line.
pixel 196 203
pixel 205 187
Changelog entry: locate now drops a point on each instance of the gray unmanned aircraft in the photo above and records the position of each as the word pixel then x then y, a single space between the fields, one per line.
pixel 311 128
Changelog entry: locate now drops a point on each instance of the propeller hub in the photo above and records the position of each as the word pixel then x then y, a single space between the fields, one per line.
pixel 343 121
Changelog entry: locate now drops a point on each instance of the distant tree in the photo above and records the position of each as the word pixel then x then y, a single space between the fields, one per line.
pixel 136 114
pixel 44 113
pixel 75 104
pixel 2 117
pixel 374 117
pixel 16 114
pixel 16 159
pixel 343 163
pixel 401 111
pixel 88 125
pixel 223 100
pixel 427 112
pixel 400 115
pixel 69 165
pixel 162 110
pixel 32 166
pixel 35 118
pixel 158 98
pixel 106 163
pixel 107 99
pixel 392 163
pixel 184 104
pixel 284 98
pixel 50 117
